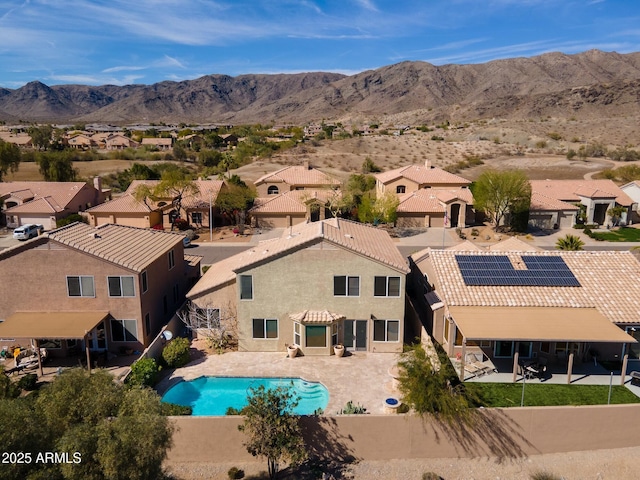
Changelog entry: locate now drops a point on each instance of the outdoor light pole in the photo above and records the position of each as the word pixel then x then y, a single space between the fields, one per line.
pixel 524 382
pixel 610 384
pixel 210 217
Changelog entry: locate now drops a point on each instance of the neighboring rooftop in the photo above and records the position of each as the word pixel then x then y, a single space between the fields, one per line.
pixel 422 175
pixel 294 201
pixel 298 175
pixel 602 276
pixel 129 247
pixel 572 190
pixel 61 193
pixel 432 199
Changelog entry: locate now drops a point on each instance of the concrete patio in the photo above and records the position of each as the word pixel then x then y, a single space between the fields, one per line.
pixel 360 377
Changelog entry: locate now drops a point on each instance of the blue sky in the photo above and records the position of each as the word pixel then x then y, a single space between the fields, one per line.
pixel 120 42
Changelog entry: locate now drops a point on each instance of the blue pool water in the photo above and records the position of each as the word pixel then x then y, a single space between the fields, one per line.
pixel 213 395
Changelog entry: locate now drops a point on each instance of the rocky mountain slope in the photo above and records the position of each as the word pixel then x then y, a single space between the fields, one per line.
pixel 555 84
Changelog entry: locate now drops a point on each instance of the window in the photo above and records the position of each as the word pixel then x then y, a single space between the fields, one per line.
pixel 147 323
pixel 334 334
pixel 386 287
pixel 386 330
pixel 296 333
pixel 346 286
pixel 50 344
pixel 265 328
pixel 145 282
pixel 196 217
pixel 401 189
pixel 176 293
pixel 246 287
pixel 124 331
pixel 81 286
pixel 172 261
pixel 121 287
pixel 272 190
pixel 315 335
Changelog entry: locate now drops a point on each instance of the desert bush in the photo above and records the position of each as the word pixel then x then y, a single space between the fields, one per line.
pixel 176 352
pixel 544 476
pixel 144 372
pixel 352 409
pixel 28 382
pixel 235 473
pixel 174 410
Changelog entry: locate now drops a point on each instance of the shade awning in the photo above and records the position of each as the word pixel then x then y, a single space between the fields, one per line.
pixel 546 324
pixel 316 316
pixel 50 324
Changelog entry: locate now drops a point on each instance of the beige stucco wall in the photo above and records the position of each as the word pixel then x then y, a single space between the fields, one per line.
pixel 129 219
pixel 277 221
pixel 506 433
pixel 302 281
pixel 264 187
pixel 39 284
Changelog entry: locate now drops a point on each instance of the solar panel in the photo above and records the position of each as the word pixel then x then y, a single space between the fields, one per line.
pixel 497 270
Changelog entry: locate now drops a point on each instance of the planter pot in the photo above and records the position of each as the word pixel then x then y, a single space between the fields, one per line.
pixel 338 350
pixel 292 351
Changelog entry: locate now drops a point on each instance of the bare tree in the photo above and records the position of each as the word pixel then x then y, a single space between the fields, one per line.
pixel 219 326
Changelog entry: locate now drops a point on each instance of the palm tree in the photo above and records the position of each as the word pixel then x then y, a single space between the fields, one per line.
pixel 570 242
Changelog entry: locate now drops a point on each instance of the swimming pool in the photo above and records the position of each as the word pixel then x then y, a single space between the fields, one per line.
pixel 213 395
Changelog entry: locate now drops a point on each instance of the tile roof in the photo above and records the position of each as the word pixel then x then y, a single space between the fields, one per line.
pixel 298 175
pixel 62 193
pixel 371 242
pixel 129 247
pixel 293 201
pixel 315 316
pixel 432 200
pixel 604 277
pixel 124 204
pixel 541 202
pixel 571 190
pixel 422 175
pixel 41 205
pixel 207 189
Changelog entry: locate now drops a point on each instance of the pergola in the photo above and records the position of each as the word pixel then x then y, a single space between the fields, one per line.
pixel 535 324
pixel 52 325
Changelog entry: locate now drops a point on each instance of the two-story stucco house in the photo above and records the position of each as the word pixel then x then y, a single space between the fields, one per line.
pixel 320 284
pixel 104 288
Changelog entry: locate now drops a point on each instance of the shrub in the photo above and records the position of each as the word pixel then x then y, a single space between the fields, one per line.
pixel 174 410
pixel 431 476
pixel 544 476
pixel 28 382
pixel 352 409
pixel 144 372
pixel 74 217
pixel 176 353
pixel 235 473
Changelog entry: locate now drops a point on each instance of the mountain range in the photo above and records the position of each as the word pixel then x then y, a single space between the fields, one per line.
pixel 592 83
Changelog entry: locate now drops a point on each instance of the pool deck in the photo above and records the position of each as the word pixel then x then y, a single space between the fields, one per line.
pixel 360 377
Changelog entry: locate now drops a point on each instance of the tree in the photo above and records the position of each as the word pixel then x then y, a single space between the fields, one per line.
pixel 219 326
pixel 616 214
pixel 273 430
pixel 499 193
pixel 428 390
pixel 369 167
pixel 90 415
pixel 570 242
pixel 10 157
pixel 234 201
pixel 56 167
pixel 385 208
pixel 41 136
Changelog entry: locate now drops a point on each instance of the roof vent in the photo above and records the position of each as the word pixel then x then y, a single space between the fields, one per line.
pixel 94 235
pixel 348 235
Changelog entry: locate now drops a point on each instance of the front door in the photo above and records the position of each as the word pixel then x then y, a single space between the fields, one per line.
pixel 355 335
pixel 455 214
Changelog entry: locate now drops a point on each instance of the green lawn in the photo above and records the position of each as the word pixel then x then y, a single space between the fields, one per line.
pixel 620 235
pixel 535 394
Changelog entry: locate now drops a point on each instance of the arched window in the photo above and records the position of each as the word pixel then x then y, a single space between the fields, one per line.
pixel 401 189
pixel 272 190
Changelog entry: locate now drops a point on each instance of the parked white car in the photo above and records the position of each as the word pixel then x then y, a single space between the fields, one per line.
pixel 25 232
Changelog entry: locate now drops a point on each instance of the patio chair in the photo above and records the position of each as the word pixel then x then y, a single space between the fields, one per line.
pixel 477 363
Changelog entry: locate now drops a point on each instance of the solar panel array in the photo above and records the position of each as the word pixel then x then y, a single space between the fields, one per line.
pixel 497 270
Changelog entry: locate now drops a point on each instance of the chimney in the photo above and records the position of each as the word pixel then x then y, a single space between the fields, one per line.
pixel 306 165
pixel 97 183
pixel 427 164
